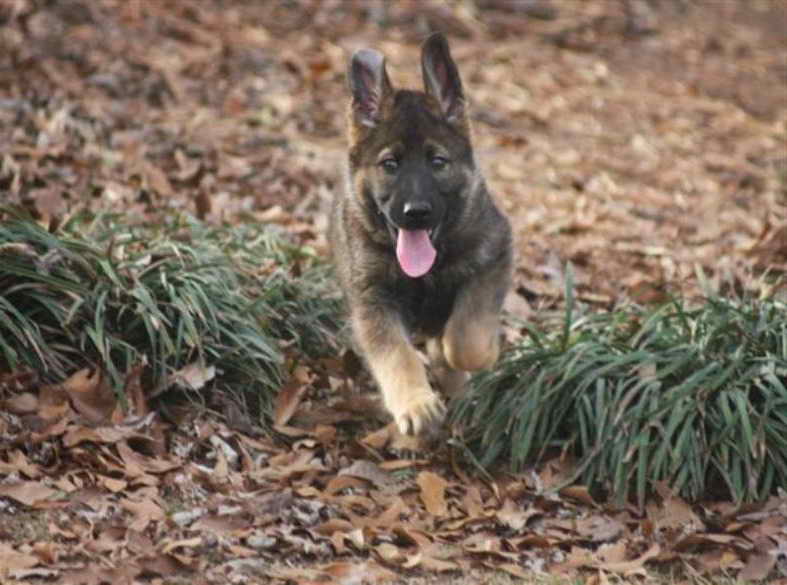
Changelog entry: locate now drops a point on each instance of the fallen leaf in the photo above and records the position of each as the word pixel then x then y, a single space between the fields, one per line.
pixel 371 472
pixel 287 401
pixel 380 438
pixel 103 435
pixel 390 553
pixel 433 493
pixel 91 395
pixel 760 562
pixel 13 560
pixel 580 493
pixel 28 493
pixel 630 567
pixel 171 546
pixel 24 403
pixel 193 376
pixel 144 512
pixel 132 390
pixel 598 528
pixel 19 463
pixel 513 517
pixel 52 402
pixel 612 553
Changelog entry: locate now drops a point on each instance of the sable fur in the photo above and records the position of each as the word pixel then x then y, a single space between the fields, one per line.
pixel 455 307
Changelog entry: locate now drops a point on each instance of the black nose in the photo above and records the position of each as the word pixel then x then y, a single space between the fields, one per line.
pixel 417 209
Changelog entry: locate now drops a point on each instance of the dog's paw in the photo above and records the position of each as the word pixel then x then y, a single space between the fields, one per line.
pixel 422 416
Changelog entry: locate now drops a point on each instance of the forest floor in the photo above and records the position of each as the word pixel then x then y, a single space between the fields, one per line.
pixel 641 141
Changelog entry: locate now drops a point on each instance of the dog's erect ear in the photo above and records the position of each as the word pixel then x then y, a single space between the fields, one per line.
pixel 441 77
pixel 369 85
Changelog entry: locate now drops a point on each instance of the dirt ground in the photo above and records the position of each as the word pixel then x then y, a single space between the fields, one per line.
pixel 644 141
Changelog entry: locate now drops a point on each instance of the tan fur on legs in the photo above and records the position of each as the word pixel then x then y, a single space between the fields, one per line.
pixel 452 381
pixel 399 372
pixel 471 338
pixel 472 345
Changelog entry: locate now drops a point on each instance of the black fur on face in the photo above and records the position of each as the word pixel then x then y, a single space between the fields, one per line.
pixel 416 166
pixel 412 148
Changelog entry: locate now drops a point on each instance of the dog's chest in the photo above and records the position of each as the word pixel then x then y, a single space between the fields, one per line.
pixel 425 304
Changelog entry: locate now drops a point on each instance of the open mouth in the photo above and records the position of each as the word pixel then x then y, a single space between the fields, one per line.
pixel 414 251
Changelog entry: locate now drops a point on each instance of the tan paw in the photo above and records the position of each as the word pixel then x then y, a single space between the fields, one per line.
pixel 421 416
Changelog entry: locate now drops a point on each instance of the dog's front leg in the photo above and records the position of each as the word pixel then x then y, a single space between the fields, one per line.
pixel 398 370
pixel 471 339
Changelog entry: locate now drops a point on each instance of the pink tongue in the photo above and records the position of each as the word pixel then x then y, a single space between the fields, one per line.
pixel 415 252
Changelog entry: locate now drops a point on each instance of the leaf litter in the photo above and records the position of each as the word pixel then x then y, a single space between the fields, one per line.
pixel 200 107
pixel 219 503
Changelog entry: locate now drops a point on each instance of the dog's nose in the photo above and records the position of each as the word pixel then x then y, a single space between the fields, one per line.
pixel 417 209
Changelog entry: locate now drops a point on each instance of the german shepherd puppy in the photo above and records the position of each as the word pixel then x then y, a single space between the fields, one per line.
pixel 422 252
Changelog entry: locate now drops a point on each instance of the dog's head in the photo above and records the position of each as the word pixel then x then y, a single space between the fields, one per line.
pixel 410 152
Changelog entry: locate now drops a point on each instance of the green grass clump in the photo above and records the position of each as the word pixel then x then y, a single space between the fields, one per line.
pixel 101 292
pixel 696 397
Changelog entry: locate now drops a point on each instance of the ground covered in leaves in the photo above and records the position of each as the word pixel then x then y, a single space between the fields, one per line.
pixel 90 502
pixel 644 142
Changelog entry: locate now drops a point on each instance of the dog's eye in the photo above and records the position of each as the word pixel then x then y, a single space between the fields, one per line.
pixel 389 165
pixel 439 162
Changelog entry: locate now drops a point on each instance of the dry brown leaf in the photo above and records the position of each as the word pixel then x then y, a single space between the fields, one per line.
pixel 48 552
pixel 430 563
pixel 530 541
pixel 138 464
pixel 612 553
pixel 371 472
pixel 135 396
pixel 482 543
pixel 102 435
pixel 13 560
pixel 509 568
pixel 390 553
pixel 336 574
pixel 343 482
pixel 513 517
pixel 112 484
pixel 715 560
pixel 29 493
pixel 635 566
pixel 433 489
pixel 472 502
pixel 90 395
pixel 52 402
pixel 144 512
pixel 333 525
pixel 760 562
pixel 24 403
pixel 693 541
pixel 397 464
pixel 380 438
pixel 580 493
pixel 171 546
pixel 599 528
pixel 193 376
pixel 158 181
pixel 19 463
pixel 577 557
pixel 392 515
pixel 325 434
pixel 287 402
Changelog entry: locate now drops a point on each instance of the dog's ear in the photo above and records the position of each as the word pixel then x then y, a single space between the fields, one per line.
pixel 441 77
pixel 369 85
